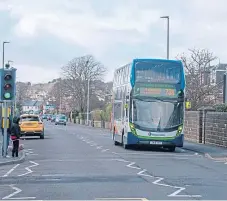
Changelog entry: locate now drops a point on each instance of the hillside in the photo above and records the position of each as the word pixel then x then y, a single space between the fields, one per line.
pixel 51 92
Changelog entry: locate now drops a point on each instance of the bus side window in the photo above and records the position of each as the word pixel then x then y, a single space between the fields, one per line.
pixel 127 106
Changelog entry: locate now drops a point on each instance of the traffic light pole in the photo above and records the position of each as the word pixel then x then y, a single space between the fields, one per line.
pixel 5 137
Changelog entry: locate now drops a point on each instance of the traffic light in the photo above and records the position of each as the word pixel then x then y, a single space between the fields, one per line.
pixel 8 84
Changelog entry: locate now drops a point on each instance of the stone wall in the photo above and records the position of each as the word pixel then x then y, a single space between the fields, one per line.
pixel 207 128
pixel 192 126
pixel 216 128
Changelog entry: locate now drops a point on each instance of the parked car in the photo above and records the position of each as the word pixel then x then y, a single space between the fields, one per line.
pixel 53 118
pixel 31 125
pixel 49 117
pixel 61 120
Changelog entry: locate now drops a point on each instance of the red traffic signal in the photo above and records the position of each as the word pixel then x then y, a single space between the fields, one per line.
pixel 7 86
pixel 8 77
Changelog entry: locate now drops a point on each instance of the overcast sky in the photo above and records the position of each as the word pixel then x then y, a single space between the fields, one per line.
pixel 45 34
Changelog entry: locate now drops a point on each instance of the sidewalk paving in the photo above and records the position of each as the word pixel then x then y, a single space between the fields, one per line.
pixel 210 151
pixel 10 160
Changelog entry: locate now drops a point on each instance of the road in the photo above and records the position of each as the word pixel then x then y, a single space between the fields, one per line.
pixel 77 162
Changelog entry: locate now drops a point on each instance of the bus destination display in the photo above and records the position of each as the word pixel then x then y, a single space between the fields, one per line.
pixel 157 92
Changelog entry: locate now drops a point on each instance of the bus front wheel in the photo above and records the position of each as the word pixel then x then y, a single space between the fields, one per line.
pixel 172 148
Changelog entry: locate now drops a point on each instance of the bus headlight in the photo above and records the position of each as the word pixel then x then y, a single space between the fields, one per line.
pixel 132 128
pixel 179 130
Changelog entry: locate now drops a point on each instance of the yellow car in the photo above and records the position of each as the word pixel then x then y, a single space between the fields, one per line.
pixel 31 125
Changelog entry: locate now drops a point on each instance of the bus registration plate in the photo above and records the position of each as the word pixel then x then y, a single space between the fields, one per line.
pixel 155 142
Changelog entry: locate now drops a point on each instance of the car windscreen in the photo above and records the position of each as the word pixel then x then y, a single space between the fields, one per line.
pixel 30 118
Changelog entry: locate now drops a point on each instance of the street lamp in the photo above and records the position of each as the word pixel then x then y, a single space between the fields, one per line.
pixel 3 53
pixel 88 99
pixel 167 17
pixel 88 92
pixel 10 61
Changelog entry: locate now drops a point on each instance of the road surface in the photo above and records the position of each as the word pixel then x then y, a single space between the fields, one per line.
pixel 77 162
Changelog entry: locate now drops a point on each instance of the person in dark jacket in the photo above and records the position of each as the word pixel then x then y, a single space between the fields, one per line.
pixel 15 136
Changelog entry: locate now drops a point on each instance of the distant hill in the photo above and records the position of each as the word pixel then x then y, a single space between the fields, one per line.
pixel 47 92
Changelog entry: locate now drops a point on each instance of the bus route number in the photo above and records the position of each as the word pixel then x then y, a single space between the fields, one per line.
pixel 170 92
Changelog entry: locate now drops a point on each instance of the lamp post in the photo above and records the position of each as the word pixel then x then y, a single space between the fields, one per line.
pixel 3 53
pixel 88 91
pixel 167 17
pixel 88 100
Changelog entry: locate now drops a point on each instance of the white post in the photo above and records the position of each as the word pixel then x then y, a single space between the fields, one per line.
pixel 88 100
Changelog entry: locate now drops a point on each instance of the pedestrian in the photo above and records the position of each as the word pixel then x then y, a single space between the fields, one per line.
pixel 15 136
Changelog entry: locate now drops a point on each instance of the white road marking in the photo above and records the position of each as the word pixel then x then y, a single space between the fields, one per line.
pixel 157 154
pixel 142 173
pixel 159 179
pixel 93 145
pixel 99 147
pixel 175 194
pixel 11 170
pixel 104 150
pixel 28 168
pixel 29 152
pixel 17 190
pixel 133 163
pixel 121 160
pixel 226 163
pixel 114 152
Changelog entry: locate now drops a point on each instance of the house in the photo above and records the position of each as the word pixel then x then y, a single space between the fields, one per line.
pixel 217 74
pixel 31 105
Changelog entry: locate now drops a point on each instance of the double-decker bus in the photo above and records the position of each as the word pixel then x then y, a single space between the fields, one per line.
pixel 148 103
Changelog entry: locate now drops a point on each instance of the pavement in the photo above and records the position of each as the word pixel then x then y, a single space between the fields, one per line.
pixel 79 162
pixel 9 160
pixel 210 151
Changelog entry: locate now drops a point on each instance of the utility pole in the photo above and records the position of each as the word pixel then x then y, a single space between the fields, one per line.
pixel 88 92
pixel 88 100
pixel 3 53
pixel 167 46
pixel 60 107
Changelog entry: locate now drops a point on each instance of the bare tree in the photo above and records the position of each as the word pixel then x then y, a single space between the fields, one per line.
pixel 55 93
pixel 199 89
pixel 76 75
pixel 22 91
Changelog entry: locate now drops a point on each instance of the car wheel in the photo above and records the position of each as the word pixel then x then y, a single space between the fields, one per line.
pixel 42 135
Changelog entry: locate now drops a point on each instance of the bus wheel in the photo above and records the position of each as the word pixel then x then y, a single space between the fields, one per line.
pixel 172 148
pixel 126 146
pixel 115 142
